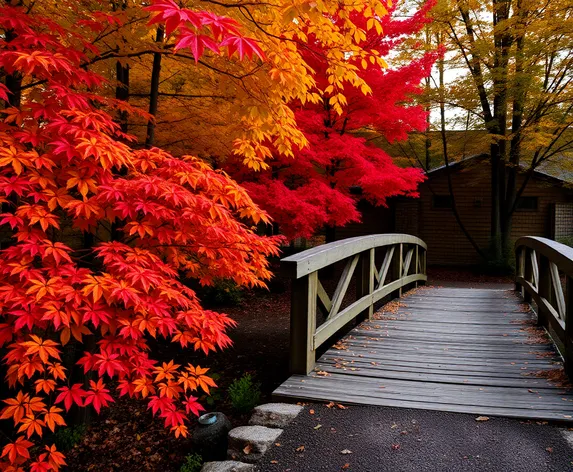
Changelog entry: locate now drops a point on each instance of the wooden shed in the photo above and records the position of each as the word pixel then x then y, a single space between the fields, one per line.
pixel 545 209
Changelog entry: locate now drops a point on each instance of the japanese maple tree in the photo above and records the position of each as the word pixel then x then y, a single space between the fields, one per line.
pixel 97 233
pixel 314 190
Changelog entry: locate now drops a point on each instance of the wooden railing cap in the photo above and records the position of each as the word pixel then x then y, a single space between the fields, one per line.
pixel 311 260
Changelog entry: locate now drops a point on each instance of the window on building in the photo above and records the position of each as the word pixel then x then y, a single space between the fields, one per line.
pixel 441 201
pixel 527 203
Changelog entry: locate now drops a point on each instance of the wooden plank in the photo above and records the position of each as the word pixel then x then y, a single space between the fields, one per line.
pixel 349 397
pixel 517 371
pixel 407 262
pixel 303 324
pixel 342 286
pixel 385 266
pixel 311 260
pixel 323 298
pixel 515 397
pixel 425 359
pixel 535 268
pixel 467 359
pixel 525 382
pixel 558 290
pixel 510 407
pixel 331 326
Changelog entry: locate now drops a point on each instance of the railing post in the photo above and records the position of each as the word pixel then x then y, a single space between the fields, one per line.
pixel 545 290
pixel 568 341
pixel 527 275
pixel 397 268
pixel 365 281
pixel 416 263
pixel 303 324
pixel 520 263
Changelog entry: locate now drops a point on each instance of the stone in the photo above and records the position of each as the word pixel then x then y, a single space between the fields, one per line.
pixel 210 440
pixel 274 415
pixel 227 466
pixel 249 443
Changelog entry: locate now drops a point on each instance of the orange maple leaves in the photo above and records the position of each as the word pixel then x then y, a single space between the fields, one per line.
pixel 66 173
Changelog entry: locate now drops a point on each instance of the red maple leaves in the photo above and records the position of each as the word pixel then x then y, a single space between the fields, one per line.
pixel 322 186
pixel 97 234
pixel 199 30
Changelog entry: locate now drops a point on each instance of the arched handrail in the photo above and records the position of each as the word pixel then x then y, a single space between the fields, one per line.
pixel 543 267
pixel 404 263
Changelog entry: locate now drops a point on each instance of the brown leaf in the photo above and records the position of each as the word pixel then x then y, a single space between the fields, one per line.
pixel 322 373
pixel 247 449
pixel 345 466
pixel 395 447
pixel 549 450
pixel 330 405
pixel 300 449
pixel 311 412
pixel 274 462
pixel 346 451
pixel 482 418
pixel 341 407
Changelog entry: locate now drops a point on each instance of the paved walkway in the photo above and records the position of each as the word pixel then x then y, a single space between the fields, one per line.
pixel 374 439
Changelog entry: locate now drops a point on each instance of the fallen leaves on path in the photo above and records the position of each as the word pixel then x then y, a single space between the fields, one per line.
pixel 482 418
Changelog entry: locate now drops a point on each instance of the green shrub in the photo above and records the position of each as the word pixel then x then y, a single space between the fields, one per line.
pixel 193 463
pixel 222 293
pixel 66 438
pixel 244 394
pixel 567 240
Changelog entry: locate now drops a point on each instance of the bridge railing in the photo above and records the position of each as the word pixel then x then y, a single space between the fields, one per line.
pixel 403 263
pixel 544 274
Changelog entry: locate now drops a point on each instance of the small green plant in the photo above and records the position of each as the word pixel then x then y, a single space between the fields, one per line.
pixel 66 438
pixel 222 293
pixel 193 463
pixel 567 240
pixel 244 394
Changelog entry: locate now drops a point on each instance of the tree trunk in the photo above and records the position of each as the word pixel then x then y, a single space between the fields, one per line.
pixel 122 92
pixel 13 81
pixel 154 91
pixel 330 234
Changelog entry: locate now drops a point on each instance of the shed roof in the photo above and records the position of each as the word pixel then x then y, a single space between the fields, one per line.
pixel 552 169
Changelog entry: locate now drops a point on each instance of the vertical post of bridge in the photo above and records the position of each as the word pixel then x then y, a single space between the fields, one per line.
pixel 303 323
pixel 569 326
pixel 545 291
pixel 365 282
pixel 398 268
pixel 527 274
pixel 520 269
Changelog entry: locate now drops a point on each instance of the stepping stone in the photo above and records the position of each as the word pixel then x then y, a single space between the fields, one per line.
pixel 227 466
pixel 249 443
pixel 274 415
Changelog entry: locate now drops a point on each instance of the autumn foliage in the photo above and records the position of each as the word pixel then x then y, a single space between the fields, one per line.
pixel 323 184
pixel 97 234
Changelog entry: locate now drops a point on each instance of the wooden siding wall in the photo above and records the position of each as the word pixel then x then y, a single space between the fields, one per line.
pixel 447 245
pixel 563 221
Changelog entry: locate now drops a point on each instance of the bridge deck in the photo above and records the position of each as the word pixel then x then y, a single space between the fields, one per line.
pixel 460 350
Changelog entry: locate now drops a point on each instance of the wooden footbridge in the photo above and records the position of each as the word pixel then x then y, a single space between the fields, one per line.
pixel 478 351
